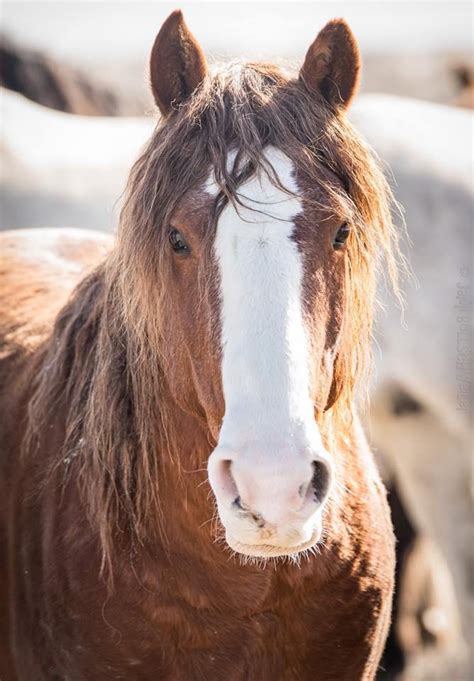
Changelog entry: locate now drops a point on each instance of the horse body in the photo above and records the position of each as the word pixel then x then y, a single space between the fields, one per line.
pixel 116 396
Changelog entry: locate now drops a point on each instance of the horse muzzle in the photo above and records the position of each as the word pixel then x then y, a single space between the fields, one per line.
pixel 270 504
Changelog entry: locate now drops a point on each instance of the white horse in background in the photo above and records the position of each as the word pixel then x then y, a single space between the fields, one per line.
pixel 421 404
pixel 59 169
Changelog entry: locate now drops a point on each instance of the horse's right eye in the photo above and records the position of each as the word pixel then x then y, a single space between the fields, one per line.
pixel 177 242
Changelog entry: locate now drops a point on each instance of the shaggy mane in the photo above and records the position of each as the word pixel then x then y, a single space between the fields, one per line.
pixel 103 360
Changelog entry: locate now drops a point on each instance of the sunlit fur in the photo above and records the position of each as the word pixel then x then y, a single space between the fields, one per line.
pixel 114 391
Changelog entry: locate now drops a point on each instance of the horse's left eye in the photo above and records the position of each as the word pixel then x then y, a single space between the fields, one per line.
pixel 341 236
pixel 177 242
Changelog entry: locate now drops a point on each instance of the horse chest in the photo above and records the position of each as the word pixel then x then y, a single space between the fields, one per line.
pixel 162 638
pixel 249 625
pixel 178 641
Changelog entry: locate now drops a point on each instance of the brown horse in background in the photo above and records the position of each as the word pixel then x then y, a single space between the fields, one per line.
pixel 47 81
pixel 224 332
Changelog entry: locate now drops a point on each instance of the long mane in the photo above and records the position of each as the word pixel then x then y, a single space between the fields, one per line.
pixel 104 363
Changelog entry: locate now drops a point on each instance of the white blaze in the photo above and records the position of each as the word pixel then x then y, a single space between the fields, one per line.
pixel 265 350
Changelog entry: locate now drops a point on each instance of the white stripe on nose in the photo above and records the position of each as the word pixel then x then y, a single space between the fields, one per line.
pixel 269 432
pixel 265 351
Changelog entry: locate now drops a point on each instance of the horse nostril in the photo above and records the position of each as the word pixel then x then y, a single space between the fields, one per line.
pixel 237 504
pixel 256 517
pixel 320 481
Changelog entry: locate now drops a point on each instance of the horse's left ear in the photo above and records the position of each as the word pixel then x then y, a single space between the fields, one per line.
pixel 177 64
pixel 332 64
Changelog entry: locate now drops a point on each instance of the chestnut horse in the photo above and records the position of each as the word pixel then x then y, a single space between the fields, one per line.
pixel 223 332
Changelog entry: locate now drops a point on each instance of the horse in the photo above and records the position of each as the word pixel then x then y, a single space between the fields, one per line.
pixel 187 491
pixel 417 428
pixel 420 418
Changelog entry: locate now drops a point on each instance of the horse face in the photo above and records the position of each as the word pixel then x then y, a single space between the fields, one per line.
pixel 281 285
pixel 258 303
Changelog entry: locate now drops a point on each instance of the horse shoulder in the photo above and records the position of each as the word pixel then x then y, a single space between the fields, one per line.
pixel 39 268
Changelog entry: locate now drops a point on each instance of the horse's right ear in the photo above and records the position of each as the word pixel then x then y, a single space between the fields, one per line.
pixel 177 64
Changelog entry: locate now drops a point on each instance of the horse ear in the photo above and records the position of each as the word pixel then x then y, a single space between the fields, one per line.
pixel 177 64
pixel 332 64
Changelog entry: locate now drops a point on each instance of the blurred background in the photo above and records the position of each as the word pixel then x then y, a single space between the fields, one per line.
pixel 75 110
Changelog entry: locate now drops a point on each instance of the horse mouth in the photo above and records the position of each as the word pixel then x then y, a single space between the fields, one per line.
pixel 271 551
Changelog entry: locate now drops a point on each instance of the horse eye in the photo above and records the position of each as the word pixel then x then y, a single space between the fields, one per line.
pixel 341 236
pixel 177 242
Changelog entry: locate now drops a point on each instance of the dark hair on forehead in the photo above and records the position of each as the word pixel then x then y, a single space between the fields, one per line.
pixel 241 108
